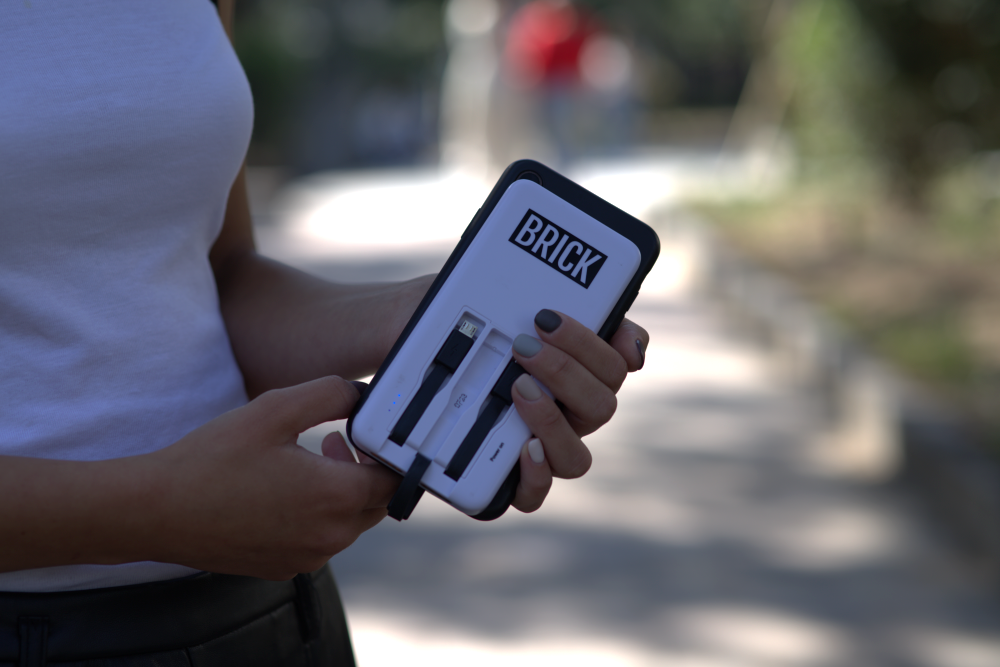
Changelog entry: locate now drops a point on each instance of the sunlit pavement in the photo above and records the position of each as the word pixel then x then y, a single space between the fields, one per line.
pixel 706 534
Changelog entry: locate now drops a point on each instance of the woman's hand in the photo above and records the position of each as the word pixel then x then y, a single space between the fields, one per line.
pixel 583 373
pixel 239 496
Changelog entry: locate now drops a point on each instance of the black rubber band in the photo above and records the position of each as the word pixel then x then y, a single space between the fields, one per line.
pixel 446 361
pixel 499 399
pixel 409 492
pixel 415 410
pixel 474 438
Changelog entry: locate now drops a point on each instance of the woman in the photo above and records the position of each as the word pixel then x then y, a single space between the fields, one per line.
pixel 136 320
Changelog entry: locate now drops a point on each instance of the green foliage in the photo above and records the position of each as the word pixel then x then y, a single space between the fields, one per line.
pixel 899 90
pixel 933 350
pixel 839 80
pixel 964 203
pixel 707 29
pixel 704 47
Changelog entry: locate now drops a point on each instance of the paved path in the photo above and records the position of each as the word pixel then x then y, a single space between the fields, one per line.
pixel 708 534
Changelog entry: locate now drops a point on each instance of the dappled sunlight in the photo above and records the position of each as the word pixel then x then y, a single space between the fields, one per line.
pixel 759 635
pixel 382 212
pixel 705 534
pixel 381 639
pixel 828 537
pixel 928 645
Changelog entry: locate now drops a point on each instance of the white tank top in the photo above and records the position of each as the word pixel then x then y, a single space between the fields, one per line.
pixel 122 126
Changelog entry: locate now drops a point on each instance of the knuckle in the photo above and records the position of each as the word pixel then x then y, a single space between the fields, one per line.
pixel 340 390
pixel 274 406
pixel 581 465
pixel 618 371
pixel 528 506
pixel 559 363
pixel 270 400
pixel 550 417
pixel 605 407
pixel 540 487
pixel 531 495
pixel 578 337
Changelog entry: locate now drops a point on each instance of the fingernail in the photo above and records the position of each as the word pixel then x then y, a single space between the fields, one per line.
pixel 527 387
pixel 536 451
pixel 527 346
pixel 547 321
pixel 642 353
pixel 360 386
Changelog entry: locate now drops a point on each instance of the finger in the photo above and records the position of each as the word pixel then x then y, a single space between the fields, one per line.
pixel 349 530
pixel 566 454
pixel 536 477
pixel 631 341
pixel 295 409
pixel 370 518
pixel 335 447
pixel 375 485
pixel 590 403
pixel 365 459
pixel 583 345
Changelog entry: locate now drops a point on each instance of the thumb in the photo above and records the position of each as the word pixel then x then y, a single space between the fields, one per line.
pixel 295 409
pixel 335 447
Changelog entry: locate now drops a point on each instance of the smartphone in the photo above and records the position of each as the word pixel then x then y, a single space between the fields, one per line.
pixel 439 410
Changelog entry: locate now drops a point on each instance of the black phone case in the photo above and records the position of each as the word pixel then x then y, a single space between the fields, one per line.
pixel 634 230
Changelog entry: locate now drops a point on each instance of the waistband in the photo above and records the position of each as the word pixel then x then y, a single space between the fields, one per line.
pixel 145 618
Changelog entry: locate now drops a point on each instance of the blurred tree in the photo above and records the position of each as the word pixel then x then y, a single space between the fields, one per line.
pixel 698 52
pixel 343 84
pixel 905 89
pixel 339 83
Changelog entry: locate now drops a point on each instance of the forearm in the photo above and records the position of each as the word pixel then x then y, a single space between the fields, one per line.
pixel 236 496
pixel 70 512
pixel 287 327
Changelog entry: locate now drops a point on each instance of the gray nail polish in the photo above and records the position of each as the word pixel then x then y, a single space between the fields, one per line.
pixel 527 346
pixel 642 353
pixel 547 321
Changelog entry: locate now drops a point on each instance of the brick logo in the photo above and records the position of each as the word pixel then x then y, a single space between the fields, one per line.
pixel 553 245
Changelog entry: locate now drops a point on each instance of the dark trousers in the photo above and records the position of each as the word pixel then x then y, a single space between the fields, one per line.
pixel 206 620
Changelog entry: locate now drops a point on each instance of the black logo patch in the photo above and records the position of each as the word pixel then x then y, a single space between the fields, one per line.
pixel 558 248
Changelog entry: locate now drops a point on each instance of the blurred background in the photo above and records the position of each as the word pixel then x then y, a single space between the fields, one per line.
pixel 825 178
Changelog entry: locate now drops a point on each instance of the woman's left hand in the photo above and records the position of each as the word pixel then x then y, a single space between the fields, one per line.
pixel 583 373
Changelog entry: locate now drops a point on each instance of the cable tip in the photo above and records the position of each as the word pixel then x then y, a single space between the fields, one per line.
pixel 468 328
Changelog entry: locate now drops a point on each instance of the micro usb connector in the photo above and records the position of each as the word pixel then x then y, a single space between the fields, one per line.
pixel 446 362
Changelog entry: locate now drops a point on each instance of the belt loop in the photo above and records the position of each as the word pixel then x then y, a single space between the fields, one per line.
pixel 34 636
pixel 307 606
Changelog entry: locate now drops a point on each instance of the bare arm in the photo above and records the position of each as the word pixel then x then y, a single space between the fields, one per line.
pixel 238 495
pixel 288 327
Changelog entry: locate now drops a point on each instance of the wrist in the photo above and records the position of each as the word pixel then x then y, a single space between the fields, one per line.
pixel 140 498
pixel 74 512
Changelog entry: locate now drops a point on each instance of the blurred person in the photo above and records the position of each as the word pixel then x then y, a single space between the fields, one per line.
pixel 157 371
pixel 577 73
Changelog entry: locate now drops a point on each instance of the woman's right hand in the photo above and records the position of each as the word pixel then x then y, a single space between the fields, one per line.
pixel 239 496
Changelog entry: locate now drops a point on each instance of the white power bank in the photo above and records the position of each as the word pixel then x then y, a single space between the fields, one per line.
pixel 439 409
